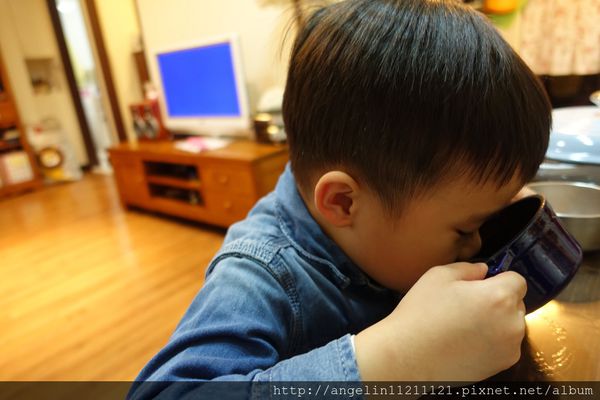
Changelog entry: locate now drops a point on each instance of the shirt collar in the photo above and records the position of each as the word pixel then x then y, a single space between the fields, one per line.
pixel 306 235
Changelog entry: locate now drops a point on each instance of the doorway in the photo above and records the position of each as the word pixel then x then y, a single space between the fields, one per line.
pixel 87 70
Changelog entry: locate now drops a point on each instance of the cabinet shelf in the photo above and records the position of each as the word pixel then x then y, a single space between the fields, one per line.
pixel 175 182
pixel 177 171
pixel 6 145
pixel 19 187
pixel 183 195
pixel 18 168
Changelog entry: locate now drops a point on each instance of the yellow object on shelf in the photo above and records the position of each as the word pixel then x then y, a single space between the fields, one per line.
pixel 500 6
pixel 16 167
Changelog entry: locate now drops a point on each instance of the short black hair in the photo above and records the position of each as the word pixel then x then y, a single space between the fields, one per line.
pixel 400 93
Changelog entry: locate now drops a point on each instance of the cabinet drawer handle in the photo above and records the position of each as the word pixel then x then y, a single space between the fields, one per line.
pixel 228 205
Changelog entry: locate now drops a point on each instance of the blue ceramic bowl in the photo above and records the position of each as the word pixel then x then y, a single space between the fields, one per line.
pixel 528 238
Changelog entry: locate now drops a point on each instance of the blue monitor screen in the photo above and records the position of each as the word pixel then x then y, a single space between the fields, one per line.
pixel 200 82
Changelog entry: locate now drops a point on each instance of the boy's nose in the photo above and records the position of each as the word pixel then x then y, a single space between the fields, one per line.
pixel 470 246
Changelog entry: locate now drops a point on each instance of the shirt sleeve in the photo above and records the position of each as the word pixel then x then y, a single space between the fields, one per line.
pixel 242 326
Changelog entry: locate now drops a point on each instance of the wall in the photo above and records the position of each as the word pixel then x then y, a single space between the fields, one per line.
pixel 26 32
pixel 121 33
pixel 511 32
pixel 260 26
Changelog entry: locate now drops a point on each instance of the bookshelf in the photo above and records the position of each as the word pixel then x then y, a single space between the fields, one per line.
pixel 18 168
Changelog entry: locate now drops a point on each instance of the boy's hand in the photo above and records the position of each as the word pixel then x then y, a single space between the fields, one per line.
pixel 451 326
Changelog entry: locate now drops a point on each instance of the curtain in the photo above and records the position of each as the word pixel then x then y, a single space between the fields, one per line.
pixel 561 37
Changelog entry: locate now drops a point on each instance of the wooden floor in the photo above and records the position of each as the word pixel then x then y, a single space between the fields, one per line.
pixel 89 291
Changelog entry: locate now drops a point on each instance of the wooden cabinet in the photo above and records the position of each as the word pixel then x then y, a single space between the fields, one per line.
pixel 18 167
pixel 129 175
pixel 217 187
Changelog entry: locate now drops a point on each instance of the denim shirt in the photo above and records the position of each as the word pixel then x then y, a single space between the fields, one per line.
pixel 279 303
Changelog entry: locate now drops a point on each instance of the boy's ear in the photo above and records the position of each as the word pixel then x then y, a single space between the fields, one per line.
pixel 335 197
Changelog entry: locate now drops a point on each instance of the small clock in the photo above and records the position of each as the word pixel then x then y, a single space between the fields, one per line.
pixel 50 157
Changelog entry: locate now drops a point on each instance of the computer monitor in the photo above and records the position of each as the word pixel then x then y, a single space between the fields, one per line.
pixel 201 87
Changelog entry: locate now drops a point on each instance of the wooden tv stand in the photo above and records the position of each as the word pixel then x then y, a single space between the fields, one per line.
pixel 217 187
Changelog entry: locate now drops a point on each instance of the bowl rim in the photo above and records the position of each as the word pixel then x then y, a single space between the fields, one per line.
pixel 586 185
pixel 507 247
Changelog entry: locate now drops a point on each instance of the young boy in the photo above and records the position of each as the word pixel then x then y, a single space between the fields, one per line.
pixel 409 122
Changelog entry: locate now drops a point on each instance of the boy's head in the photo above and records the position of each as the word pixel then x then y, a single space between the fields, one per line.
pixel 391 104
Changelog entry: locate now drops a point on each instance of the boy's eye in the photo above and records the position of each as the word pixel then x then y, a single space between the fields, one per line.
pixel 464 233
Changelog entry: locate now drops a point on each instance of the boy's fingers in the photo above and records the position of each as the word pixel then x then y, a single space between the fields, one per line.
pixel 511 281
pixel 467 272
pixel 521 308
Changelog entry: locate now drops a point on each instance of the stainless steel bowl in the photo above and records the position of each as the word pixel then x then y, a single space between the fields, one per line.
pixel 578 207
